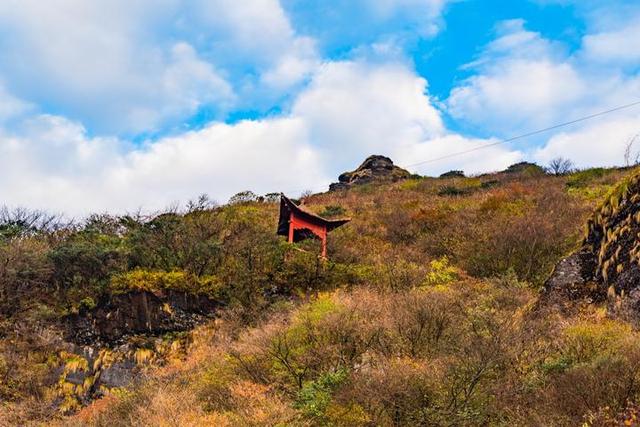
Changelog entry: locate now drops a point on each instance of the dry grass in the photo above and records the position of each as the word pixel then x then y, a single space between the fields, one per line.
pixel 423 316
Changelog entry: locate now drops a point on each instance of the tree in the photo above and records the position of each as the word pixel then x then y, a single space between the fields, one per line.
pixel 560 166
pixel 243 197
pixel 631 158
pixel 20 222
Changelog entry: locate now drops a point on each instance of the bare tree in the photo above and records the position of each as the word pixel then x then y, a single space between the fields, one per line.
pixel 560 166
pixel 631 158
pixel 21 222
pixel 202 203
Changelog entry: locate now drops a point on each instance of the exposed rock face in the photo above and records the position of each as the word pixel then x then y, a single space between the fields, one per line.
pixel 453 174
pixel 109 345
pixel 100 373
pixel 608 263
pixel 572 279
pixel 373 169
pixel 139 313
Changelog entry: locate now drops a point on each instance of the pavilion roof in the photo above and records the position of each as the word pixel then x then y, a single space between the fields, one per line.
pixel 287 207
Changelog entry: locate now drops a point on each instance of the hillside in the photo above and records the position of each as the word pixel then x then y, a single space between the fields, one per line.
pixel 427 311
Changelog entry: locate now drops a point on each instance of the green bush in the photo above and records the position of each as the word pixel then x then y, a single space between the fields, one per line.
pixel 315 396
pixel 441 273
pixel 586 177
pixel 452 190
pixel 332 211
pixel 151 281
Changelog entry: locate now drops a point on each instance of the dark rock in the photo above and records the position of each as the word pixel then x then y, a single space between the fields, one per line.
pixel 607 266
pixel 376 169
pixel 572 279
pixel 453 174
pixel 139 313
pixel 119 369
pixel 337 186
pixel 119 374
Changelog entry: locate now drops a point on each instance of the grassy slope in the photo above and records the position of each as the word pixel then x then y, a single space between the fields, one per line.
pixel 421 317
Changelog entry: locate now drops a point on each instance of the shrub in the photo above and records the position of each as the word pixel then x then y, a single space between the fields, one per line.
pixel 526 169
pixel 596 368
pixel 441 272
pixel 315 396
pixel 586 177
pixel 151 281
pixel 243 197
pixel 452 190
pixel 560 166
pixel 399 392
pixel 332 211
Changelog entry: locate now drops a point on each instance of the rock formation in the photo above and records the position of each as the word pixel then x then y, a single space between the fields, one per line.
pixel 608 263
pixel 373 169
pixel 139 313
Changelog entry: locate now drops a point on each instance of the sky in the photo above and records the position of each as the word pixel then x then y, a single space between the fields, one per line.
pixel 115 106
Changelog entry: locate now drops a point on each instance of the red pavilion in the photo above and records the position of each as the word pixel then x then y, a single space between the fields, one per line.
pixel 298 223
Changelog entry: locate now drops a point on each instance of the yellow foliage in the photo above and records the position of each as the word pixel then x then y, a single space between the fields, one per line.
pixel 441 273
pixel 151 281
pixel 143 356
pixel 74 363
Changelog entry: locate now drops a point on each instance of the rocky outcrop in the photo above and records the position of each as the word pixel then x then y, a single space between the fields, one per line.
pixel 453 174
pixel 572 279
pixel 607 266
pixel 374 169
pixel 139 313
pixel 108 346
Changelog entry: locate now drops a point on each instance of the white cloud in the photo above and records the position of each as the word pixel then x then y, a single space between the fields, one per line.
pixel 293 66
pixel 346 26
pixel 355 109
pixel 525 82
pixel 426 13
pixel 263 156
pixel 490 159
pixel 602 143
pixel 259 28
pixel 516 94
pixel 123 67
pixel 54 165
pixel 615 46
pixel 148 66
pixel 351 109
pixel 257 43
pixel 105 62
pixel 11 106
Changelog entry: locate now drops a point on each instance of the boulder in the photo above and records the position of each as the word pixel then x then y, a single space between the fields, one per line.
pixel 453 174
pixel 140 312
pixel 375 169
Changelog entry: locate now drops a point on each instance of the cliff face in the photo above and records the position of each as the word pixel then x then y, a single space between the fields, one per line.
pixel 608 263
pixel 139 313
pixel 373 169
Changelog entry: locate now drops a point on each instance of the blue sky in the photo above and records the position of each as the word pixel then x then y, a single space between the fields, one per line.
pixel 114 105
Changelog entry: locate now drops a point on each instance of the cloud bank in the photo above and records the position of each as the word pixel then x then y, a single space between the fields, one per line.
pixel 98 100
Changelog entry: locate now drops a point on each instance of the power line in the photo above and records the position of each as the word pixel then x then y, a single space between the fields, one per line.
pixel 515 138
pixel 560 125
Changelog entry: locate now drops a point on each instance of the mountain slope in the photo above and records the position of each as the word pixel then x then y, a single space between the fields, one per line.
pixel 423 313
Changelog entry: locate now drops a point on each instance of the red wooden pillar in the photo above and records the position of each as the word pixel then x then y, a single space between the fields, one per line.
pixel 323 238
pixel 291 229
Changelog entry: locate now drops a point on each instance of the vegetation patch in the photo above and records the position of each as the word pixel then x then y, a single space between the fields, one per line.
pixel 154 281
